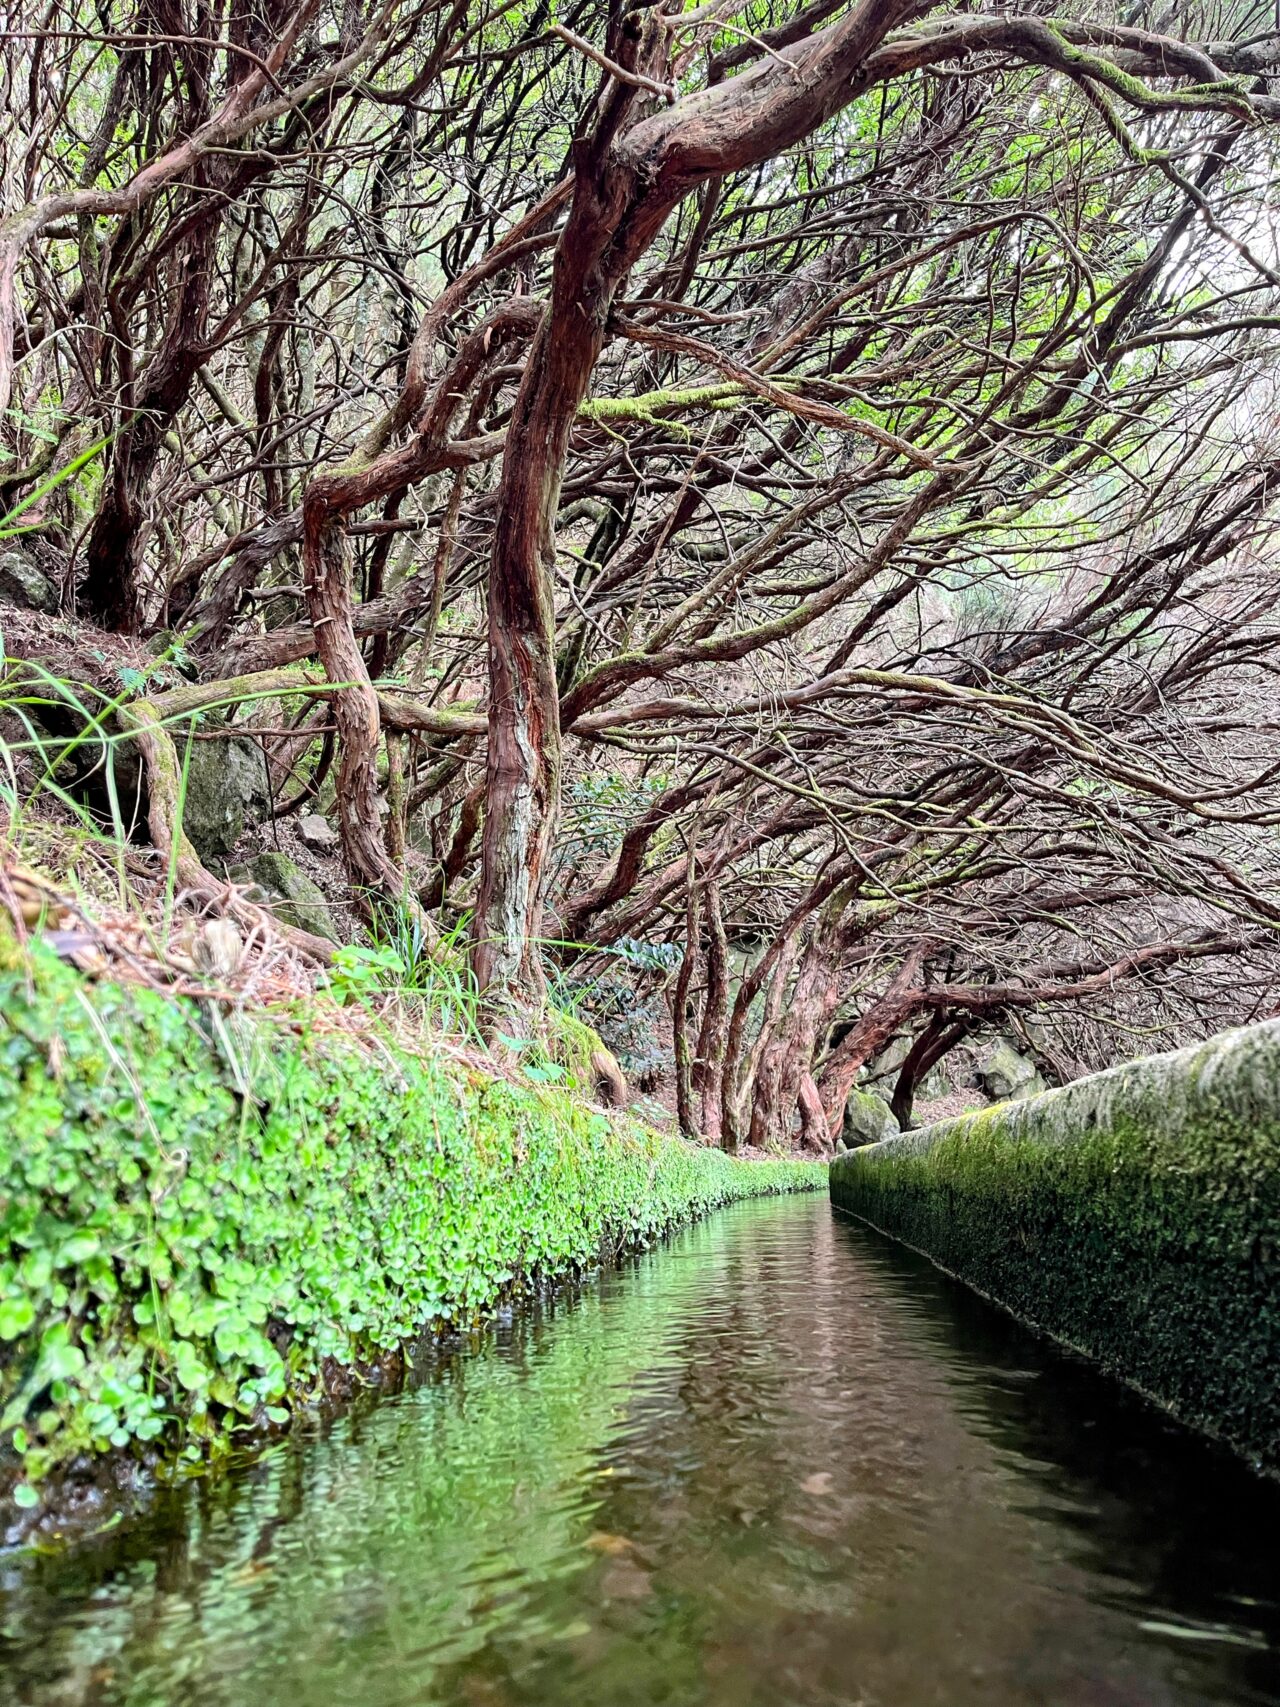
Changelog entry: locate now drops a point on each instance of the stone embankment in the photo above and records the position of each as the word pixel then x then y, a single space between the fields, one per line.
pixel 1134 1215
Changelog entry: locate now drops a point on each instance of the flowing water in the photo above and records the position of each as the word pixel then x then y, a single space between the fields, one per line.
pixel 778 1461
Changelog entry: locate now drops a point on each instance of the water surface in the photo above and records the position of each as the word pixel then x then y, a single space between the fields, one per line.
pixel 779 1461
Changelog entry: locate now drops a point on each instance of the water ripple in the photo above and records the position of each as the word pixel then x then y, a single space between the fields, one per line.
pixel 778 1462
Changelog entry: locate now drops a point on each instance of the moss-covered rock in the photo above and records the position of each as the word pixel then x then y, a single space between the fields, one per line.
pixel 867 1120
pixel 880 1073
pixel 24 583
pixel 1134 1214
pixel 225 791
pixel 1006 1074
pixel 289 892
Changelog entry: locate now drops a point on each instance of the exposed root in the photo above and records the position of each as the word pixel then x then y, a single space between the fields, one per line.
pixel 144 720
pixel 609 1083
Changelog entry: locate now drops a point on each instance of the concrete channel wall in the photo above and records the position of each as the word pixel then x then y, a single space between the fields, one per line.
pixel 1134 1215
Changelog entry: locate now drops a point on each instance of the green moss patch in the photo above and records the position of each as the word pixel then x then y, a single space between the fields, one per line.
pixel 201 1213
pixel 1135 1215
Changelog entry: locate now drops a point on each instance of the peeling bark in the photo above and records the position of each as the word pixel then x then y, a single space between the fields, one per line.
pixel 628 177
pixel 355 705
pixel 787 1057
pixel 709 1062
pixel 523 775
pixel 680 1015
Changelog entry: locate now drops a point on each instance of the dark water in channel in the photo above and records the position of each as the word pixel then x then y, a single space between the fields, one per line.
pixel 777 1462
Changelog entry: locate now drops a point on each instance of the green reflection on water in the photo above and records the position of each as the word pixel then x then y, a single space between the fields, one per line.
pixel 398 1545
pixel 776 1464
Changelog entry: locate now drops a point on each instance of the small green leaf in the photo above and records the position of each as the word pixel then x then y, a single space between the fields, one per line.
pixel 16 1316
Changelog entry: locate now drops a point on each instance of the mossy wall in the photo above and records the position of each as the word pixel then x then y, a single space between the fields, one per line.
pixel 1134 1214
pixel 198 1213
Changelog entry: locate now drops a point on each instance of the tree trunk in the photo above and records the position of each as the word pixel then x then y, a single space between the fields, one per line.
pixel 936 1040
pixel 523 767
pixel 872 1032
pixel 397 829
pixel 624 188
pixel 740 1079
pixel 680 1012
pixel 355 707
pixel 787 1059
pixel 813 1122
pixel 709 1066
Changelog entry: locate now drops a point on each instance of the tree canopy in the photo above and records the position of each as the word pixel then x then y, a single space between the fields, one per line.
pixel 782 495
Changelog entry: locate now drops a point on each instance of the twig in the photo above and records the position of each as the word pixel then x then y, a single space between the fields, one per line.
pixel 636 79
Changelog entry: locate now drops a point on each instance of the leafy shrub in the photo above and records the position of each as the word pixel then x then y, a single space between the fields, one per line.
pixel 626 1005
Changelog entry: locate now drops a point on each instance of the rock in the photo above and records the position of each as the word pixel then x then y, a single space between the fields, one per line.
pixel 963 1069
pixel 867 1119
pixel 288 892
pixel 934 1084
pixel 880 1073
pixel 22 583
pixel 218 949
pixel 317 833
pixel 1007 1075
pixel 226 789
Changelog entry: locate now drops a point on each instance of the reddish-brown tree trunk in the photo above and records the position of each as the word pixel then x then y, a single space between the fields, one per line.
pixel 355 708
pixel 680 1012
pixel 740 1061
pixel 787 1058
pixel 110 593
pixel 624 188
pixel 523 764
pixel 872 1032
pixel 813 1121
pixel 709 1067
pixel 936 1040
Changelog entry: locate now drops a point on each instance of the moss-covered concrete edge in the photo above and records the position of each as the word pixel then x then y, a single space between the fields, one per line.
pixel 208 1217
pixel 1134 1215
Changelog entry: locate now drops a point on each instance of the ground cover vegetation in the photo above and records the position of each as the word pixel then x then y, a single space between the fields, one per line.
pixel 755 521
pixel 294 1205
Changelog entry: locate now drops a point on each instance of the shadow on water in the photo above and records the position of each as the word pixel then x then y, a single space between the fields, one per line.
pixel 779 1461
pixel 1191 1527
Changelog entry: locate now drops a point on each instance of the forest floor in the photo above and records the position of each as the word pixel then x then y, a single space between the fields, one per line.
pixel 929 1109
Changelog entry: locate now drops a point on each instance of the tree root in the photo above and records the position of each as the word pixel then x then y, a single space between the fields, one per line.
pixel 143 719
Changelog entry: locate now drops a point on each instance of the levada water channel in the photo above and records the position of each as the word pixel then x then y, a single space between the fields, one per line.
pixel 777 1461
